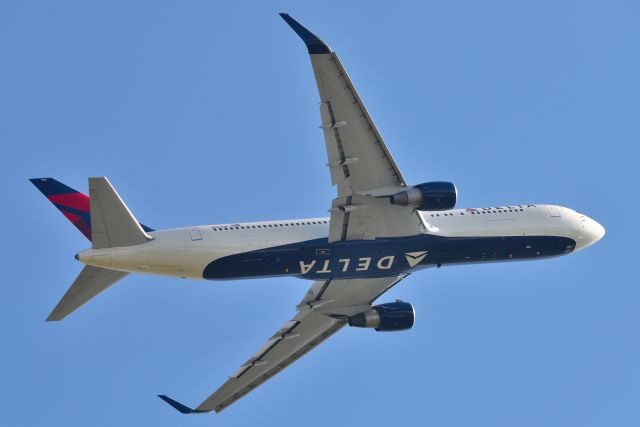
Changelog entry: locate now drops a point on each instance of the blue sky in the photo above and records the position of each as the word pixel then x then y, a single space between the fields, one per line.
pixel 202 112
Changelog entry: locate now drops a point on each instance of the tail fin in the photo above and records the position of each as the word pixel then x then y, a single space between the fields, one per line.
pixel 73 204
pixel 105 220
pixel 90 282
pixel 112 223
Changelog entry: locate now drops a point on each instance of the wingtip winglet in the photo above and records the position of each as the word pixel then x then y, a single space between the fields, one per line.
pixel 179 406
pixel 314 44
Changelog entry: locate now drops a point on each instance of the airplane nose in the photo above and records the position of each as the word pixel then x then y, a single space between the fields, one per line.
pixel 589 232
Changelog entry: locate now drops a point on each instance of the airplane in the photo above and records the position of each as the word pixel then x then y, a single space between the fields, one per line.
pixel 380 230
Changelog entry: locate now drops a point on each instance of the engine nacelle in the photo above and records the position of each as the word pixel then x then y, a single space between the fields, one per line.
pixel 393 316
pixel 430 196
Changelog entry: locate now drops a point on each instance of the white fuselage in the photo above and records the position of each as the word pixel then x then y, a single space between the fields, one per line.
pixel 185 252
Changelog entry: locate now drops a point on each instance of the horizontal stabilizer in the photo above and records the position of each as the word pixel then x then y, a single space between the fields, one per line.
pixel 180 407
pixel 112 223
pixel 90 282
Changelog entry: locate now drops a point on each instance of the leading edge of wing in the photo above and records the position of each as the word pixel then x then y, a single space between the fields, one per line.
pixel 314 44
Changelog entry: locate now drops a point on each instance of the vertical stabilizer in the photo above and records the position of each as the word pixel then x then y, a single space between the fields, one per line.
pixel 73 204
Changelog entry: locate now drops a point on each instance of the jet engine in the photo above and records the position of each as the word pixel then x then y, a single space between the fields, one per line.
pixel 430 196
pixel 393 316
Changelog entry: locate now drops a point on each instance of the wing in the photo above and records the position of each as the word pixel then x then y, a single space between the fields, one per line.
pixel 320 314
pixel 360 164
pixel 365 174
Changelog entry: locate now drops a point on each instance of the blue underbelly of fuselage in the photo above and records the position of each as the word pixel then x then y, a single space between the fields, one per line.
pixel 318 259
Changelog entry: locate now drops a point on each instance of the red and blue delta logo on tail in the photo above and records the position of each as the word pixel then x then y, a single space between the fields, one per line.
pixel 74 205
